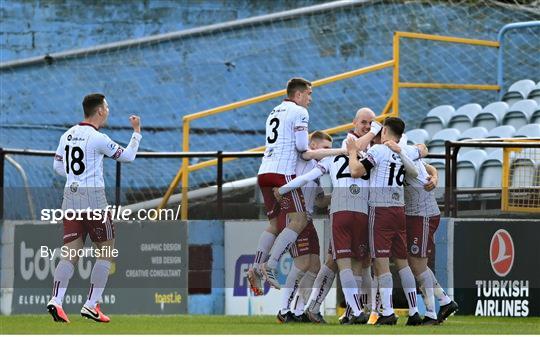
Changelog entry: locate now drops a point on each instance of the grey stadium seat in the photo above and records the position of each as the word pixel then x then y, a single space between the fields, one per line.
pixel 468 167
pixel 520 113
pixel 437 119
pixel 523 173
pixel 503 131
pixel 518 91
pixel 535 93
pixel 417 136
pixel 490 174
pixel 528 131
pixel 491 116
pixel 535 118
pixel 436 145
pixel 464 116
pixel 478 132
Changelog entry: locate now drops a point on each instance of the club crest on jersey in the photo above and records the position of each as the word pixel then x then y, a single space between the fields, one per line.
pixel 74 187
pixel 354 189
pixel 395 196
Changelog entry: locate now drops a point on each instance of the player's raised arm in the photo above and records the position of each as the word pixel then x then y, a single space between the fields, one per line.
pixel 410 169
pixel 356 167
pixel 322 153
pixel 116 152
pixel 363 142
pixel 300 181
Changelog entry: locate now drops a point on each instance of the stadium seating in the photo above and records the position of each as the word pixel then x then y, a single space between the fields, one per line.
pixel 472 133
pixel 490 173
pixel 436 145
pixel 518 91
pixel 464 116
pixel 520 113
pixel 468 167
pixel 417 136
pixel 528 131
pixel 535 93
pixel 437 119
pixel 535 118
pixel 491 116
pixel 439 164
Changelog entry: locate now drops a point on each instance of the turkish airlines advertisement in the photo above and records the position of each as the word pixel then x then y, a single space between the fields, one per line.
pixel 497 267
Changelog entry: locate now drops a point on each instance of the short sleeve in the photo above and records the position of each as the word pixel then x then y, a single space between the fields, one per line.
pixel 108 147
pixel 324 164
pixel 301 120
pixel 374 154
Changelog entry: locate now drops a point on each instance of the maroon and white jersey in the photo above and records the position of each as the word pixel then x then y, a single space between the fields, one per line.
pixel 386 176
pixel 312 188
pixel 348 194
pixel 418 201
pixel 81 152
pixel 281 155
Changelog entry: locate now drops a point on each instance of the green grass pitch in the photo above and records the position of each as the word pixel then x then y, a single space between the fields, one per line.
pixel 193 324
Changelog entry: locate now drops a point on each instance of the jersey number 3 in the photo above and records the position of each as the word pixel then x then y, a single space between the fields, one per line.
pixel 76 164
pixel 275 123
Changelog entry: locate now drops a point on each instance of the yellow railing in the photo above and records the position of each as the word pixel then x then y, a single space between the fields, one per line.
pixel 183 173
pixel 529 201
pixel 396 84
pixel 393 103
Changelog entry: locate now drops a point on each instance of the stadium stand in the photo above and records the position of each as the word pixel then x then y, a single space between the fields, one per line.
pixel 436 144
pixel 519 113
pixel 437 119
pixel 468 168
pixel 417 136
pixel 464 116
pixel 518 91
pixel 491 116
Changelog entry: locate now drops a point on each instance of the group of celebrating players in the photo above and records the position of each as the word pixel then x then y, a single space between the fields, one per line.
pixel 382 206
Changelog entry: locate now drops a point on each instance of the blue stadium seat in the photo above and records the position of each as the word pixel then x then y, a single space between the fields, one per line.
pixel 503 131
pixel 518 91
pixel 478 132
pixel 436 145
pixel 535 118
pixel 468 167
pixel 437 119
pixel 490 173
pixel 491 116
pixel 523 173
pixel 528 131
pixel 535 93
pixel 464 116
pixel 520 113
pixel 417 136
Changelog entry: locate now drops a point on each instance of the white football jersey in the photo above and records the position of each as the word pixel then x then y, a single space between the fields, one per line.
pixel 81 149
pixel 387 176
pixel 312 188
pixel 348 194
pixel 281 155
pixel 418 201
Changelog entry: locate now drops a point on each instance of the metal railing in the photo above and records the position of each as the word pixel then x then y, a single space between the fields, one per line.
pixel 391 108
pixel 220 156
pixel 451 161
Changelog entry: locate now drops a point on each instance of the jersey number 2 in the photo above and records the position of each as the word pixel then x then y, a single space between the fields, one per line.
pixel 340 173
pixel 77 156
pixel 272 140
